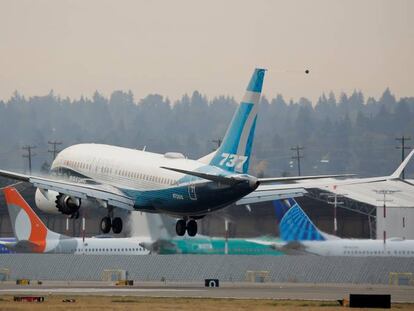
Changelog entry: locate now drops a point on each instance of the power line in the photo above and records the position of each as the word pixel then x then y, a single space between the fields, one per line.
pixel 29 155
pixel 54 151
pixel 298 156
pixel 403 147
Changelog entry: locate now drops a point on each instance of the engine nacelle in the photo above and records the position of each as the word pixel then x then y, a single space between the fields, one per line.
pixel 67 205
pixel 55 203
pixel 46 201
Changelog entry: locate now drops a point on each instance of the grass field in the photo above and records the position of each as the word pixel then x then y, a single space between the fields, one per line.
pixel 107 303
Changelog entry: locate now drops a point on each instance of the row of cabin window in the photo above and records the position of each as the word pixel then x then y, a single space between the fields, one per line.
pixel 107 170
pixel 110 249
pixel 78 164
pixel 160 180
pixel 379 252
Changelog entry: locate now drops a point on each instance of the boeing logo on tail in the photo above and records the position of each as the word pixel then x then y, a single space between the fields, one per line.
pixel 234 153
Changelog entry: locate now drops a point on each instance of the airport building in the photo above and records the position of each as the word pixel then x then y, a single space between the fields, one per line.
pixel 388 205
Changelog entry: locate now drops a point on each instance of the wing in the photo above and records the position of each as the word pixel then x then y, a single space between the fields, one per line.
pixel 264 194
pixel 299 178
pixel 106 193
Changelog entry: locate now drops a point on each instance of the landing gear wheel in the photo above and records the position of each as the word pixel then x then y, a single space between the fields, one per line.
pixel 117 225
pixel 192 227
pixel 106 225
pixel 180 227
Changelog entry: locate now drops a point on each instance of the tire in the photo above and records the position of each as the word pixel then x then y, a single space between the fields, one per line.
pixel 192 227
pixel 180 227
pixel 117 225
pixel 106 225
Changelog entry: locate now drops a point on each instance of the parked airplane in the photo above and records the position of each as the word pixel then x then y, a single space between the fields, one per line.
pixel 114 177
pixel 165 243
pixel 3 248
pixel 32 236
pixel 300 236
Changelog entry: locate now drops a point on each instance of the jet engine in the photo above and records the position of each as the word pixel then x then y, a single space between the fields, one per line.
pixel 53 202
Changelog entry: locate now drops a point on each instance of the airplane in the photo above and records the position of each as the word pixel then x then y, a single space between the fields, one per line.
pixel 98 175
pixel 3 248
pixel 164 243
pixel 32 236
pixel 301 236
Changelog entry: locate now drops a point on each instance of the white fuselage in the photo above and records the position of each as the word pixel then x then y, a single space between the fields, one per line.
pixel 148 179
pixel 358 248
pixel 123 167
pixel 100 246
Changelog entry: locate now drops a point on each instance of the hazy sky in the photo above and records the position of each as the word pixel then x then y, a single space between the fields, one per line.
pixel 174 47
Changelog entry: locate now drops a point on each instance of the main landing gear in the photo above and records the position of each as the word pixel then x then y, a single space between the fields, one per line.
pixel 115 223
pixel 182 226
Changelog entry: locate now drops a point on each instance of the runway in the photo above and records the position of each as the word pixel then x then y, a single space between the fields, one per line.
pixel 292 291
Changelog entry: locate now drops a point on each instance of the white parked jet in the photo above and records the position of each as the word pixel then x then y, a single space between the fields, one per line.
pixel 32 236
pixel 300 235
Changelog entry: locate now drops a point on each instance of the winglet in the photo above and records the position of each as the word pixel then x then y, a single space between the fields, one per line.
pixel 27 226
pixel 402 166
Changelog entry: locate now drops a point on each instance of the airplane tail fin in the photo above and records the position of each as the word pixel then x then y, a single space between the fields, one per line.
pixel 294 224
pixel 397 173
pixel 234 153
pixel 27 226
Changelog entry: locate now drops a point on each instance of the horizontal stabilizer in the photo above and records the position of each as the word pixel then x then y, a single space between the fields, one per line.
pixel 290 248
pixel 216 178
pixel 24 246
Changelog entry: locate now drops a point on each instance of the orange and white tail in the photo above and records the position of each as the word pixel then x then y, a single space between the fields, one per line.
pixel 27 226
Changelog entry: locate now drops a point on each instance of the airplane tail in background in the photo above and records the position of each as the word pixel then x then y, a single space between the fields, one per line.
pixel 294 224
pixel 234 153
pixel 28 228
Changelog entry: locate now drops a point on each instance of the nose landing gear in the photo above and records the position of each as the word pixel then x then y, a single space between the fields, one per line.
pixel 182 226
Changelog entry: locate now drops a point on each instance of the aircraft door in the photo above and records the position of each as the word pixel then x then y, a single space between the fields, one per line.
pixel 192 190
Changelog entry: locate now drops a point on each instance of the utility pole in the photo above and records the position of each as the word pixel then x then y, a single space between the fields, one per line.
pixel 29 155
pixel 54 151
pixel 217 141
pixel 332 199
pixel 298 156
pixel 384 193
pixel 403 147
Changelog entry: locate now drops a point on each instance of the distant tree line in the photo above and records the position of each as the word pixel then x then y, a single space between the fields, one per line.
pixel 346 134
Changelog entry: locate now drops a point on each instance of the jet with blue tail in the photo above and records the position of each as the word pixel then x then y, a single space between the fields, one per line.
pixel 299 235
pixel 104 176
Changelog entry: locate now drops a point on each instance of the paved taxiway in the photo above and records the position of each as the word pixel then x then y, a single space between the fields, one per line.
pixel 226 290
